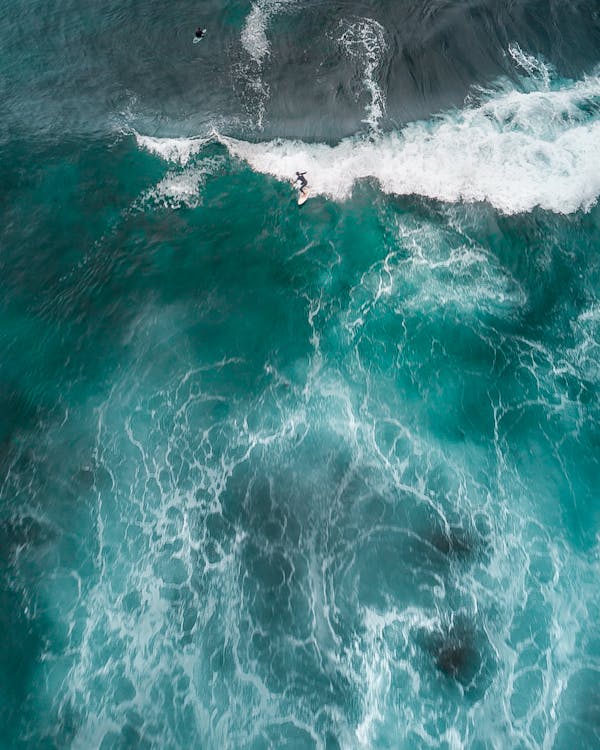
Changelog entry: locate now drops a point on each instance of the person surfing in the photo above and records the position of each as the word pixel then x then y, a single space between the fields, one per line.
pixel 300 183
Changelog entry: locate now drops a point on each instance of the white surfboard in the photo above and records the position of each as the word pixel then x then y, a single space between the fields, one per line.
pixel 303 196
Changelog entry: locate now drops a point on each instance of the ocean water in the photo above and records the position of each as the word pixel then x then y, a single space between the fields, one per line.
pixel 306 478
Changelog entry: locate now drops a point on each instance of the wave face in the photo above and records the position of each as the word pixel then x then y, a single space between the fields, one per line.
pixel 515 149
pixel 319 477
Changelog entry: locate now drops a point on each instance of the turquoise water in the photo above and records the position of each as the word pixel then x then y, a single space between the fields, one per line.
pixel 300 478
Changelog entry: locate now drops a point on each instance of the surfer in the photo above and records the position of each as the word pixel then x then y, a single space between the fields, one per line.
pixel 301 181
pixel 200 33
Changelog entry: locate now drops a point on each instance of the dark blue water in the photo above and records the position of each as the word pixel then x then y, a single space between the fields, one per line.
pixel 324 477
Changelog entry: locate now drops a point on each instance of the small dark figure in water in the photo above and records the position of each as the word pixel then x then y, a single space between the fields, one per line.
pixel 301 180
pixel 200 33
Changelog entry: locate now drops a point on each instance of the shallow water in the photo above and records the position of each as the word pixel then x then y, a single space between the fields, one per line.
pixel 317 478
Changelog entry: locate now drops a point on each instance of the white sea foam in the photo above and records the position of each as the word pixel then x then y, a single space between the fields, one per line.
pixel 181 188
pixel 254 34
pixel 585 355
pixel 534 68
pixel 517 151
pixel 172 149
pixel 364 40
pixel 256 43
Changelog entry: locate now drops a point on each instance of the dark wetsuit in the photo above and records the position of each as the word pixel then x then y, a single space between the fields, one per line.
pixel 301 179
pixel 200 33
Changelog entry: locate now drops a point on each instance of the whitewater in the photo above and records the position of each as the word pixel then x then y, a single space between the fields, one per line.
pixel 517 150
pixel 319 477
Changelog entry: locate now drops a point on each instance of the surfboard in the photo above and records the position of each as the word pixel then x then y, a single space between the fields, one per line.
pixel 303 197
pixel 197 39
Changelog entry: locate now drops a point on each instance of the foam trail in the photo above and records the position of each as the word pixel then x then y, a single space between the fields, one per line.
pixel 181 188
pixel 517 151
pixel 365 40
pixel 178 150
pixel 254 34
pixel 256 43
pixel 534 68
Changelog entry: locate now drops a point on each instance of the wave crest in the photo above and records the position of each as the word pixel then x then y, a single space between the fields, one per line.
pixel 517 150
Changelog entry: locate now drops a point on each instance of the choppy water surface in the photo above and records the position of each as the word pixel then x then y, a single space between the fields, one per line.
pixel 318 478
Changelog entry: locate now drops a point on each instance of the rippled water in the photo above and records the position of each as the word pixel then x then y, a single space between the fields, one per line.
pixel 300 478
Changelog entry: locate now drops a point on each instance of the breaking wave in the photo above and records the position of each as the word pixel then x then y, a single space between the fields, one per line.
pixel 515 149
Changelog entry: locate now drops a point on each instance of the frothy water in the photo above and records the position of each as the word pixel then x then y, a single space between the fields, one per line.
pixel 172 149
pixel 536 69
pixel 254 34
pixel 256 44
pixel 516 150
pixel 319 477
pixel 364 40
